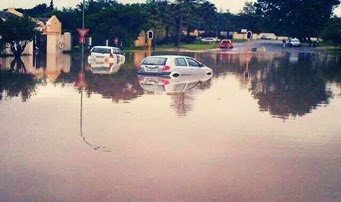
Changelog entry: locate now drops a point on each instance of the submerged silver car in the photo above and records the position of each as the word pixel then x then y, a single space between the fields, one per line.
pixel 172 65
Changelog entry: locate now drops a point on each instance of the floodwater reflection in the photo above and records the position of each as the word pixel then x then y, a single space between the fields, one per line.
pixel 282 85
pixel 272 135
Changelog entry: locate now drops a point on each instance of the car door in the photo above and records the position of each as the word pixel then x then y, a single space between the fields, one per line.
pixel 194 66
pixel 181 66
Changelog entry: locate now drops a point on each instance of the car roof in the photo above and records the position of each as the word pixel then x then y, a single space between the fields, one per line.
pixel 106 47
pixel 170 56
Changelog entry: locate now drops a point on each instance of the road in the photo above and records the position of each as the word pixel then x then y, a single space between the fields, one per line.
pixel 268 46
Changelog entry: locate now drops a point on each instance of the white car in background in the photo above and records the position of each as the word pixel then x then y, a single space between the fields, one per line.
pixel 209 40
pixel 173 66
pixel 294 42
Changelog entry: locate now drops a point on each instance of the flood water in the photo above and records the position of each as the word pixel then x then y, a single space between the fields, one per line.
pixel 265 127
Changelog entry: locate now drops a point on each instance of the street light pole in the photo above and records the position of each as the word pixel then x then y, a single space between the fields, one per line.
pixel 83 14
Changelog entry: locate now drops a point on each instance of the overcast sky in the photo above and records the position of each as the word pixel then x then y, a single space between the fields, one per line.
pixel 233 5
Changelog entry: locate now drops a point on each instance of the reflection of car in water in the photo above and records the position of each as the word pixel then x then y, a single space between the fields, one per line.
pixel 106 65
pixel 171 84
pixel 172 65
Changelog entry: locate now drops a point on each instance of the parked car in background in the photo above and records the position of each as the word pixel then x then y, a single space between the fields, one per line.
pixel 209 40
pixel 294 42
pixel 225 43
pixel 172 65
pixel 106 53
pixel 266 37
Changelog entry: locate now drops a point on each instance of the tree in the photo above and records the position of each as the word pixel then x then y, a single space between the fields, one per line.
pixel 296 18
pixel 332 31
pixel 18 32
pixel 207 14
pixel 250 20
pixel 2 43
pixel 39 10
pixel 51 7
pixel 122 21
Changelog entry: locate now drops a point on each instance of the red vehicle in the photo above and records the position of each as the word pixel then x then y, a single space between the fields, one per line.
pixel 225 43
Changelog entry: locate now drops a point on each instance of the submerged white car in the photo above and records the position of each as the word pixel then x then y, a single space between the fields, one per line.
pixel 173 66
pixel 105 59
pixel 106 54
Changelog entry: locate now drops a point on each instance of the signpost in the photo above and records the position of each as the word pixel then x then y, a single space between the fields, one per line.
pixel 82 32
pixel 249 35
pixel 150 36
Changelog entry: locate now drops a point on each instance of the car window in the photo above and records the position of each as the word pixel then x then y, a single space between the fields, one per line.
pixel 100 50
pixel 193 63
pixel 117 51
pixel 153 88
pixel 154 61
pixel 96 50
pixel 192 85
pixel 179 87
pixel 180 62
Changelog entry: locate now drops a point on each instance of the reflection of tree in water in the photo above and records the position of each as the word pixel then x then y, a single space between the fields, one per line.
pixel 330 68
pixel 120 86
pixel 286 89
pixel 182 102
pixel 17 65
pixel 15 82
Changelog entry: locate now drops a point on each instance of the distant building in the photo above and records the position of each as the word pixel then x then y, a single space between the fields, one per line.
pixel 51 39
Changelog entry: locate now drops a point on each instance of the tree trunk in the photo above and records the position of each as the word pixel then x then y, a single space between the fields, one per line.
pixel 18 48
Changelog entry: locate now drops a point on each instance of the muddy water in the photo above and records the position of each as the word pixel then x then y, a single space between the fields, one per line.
pixel 265 127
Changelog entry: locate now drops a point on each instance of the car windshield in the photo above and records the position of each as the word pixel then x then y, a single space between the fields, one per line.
pixel 225 41
pixel 117 51
pixel 100 50
pixel 154 61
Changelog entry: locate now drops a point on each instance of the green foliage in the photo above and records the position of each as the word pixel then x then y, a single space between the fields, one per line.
pixel 124 22
pixel 332 31
pixel 18 32
pixel 295 18
pixel 107 19
pixel 40 10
